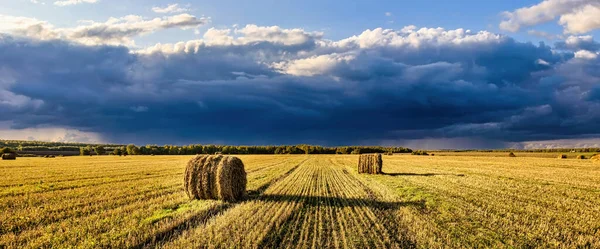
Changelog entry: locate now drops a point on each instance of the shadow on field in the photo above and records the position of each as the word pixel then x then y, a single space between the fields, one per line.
pixel 421 174
pixel 254 194
pixel 202 217
pixel 331 201
pixel 176 228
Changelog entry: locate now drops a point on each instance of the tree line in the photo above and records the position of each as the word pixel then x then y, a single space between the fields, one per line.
pixel 194 149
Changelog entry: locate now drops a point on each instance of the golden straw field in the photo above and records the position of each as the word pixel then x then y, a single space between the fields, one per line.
pixel 303 201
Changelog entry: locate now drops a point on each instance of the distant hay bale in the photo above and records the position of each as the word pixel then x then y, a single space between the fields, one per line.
pixel 9 156
pixel 595 158
pixel 389 153
pixel 512 155
pixel 432 154
pixel 215 177
pixel 562 156
pixel 370 164
pixel 581 157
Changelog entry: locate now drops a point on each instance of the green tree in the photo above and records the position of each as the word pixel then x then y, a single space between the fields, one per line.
pixel 100 150
pixel 84 151
pixel 132 150
pixel 117 151
pixel 6 150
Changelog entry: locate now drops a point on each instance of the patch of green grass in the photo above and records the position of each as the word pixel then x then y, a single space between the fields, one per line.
pixel 172 211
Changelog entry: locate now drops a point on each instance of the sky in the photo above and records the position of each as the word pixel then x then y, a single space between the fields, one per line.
pixel 424 74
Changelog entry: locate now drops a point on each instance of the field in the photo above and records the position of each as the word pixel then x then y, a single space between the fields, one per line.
pixel 303 201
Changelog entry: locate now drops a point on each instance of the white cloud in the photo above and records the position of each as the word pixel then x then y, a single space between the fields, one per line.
pixel 249 34
pixel 410 37
pixel 587 55
pixel 73 2
pixel 115 31
pixel 275 34
pixel 582 20
pixel 577 16
pixel 37 2
pixel 171 8
pixel 542 62
pixel 388 13
pixel 315 65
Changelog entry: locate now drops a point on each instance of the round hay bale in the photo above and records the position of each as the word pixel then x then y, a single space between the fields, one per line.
pixel 9 156
pixel 562 156
pixel 511 154
pixel 595 158
pixel 581 157
pixel 231 182
pixel 370 164
pixel 215 177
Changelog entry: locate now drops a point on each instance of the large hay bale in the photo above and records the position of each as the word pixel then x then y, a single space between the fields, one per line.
pixel 512 155
pixel 562 156
pixel 581 157
pixel 215 177
pixel 370 164
pixel 9 156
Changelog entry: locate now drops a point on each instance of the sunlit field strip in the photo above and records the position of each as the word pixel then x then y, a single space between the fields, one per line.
pixel 498 202
pixel 116 214
pixel 319 205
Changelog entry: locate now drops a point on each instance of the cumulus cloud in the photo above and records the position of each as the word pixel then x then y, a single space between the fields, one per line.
pixel 576 16
pixel 171 8
pixel 73 2
pixel 582 20
pixel 584 54
pixel 575 43
pixel 265 85
pixel 115 31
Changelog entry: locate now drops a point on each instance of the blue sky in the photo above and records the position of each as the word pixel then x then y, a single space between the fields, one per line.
pixel 425 74
pixel 337 19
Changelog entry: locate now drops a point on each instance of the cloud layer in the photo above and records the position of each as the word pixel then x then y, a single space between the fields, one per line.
pixel 264 85
pixel 576 16
pixel 115 31
pixel 73 2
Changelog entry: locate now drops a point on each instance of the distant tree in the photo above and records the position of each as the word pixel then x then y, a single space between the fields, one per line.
pixel 100 150
pixel 6 150
pixel 84 151
pixel 132 150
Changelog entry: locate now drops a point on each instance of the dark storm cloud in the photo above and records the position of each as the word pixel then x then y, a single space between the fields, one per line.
pixel 378 86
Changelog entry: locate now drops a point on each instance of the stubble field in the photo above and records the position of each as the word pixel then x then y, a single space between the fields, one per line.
pixel 303 201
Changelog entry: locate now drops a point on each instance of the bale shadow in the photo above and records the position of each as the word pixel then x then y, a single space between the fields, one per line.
pixel 254 194
pixel 323 201
pixel 176 229
pixel 202 217
pixel 421 174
